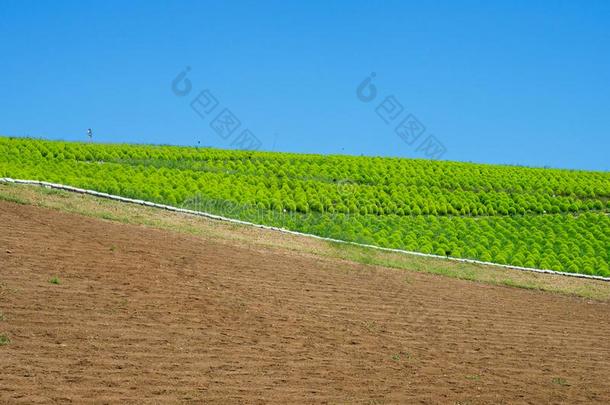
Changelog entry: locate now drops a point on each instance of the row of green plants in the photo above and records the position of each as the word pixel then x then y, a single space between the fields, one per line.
pixel 576 244
pixel 346 184
pixel 545 218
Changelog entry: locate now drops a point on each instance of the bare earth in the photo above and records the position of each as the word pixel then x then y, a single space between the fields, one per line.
pixel 150 316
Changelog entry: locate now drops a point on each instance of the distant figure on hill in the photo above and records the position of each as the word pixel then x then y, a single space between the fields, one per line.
pixel 90 134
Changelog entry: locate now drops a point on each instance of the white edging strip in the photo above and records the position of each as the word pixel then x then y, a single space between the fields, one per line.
pixel 237 221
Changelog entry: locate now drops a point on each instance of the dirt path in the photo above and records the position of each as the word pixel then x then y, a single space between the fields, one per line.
pixel 144 315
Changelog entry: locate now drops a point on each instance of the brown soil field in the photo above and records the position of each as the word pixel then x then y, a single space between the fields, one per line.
pixel 143 315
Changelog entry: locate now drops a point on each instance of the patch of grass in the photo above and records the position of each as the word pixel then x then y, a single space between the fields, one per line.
pixel 513 283
pixel 367 259
pixel 448 272
pixel 4 340
pixel 13 199
pixel 560 381
pixel 402 355
pixel 371 326
pixel 474 377
pixel 54 280
pixel 108 216
pixel 1 316
pixel 112 248
pixel 54 191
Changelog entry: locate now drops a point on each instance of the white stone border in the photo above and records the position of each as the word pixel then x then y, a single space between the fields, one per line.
pixel 237 221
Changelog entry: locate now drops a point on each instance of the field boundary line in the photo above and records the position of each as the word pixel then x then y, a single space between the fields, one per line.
pixel 288 231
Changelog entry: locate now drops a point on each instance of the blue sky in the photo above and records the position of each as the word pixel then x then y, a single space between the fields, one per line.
pixel 520 82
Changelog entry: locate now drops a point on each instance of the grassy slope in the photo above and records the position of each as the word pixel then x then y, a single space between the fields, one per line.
pixel 127 213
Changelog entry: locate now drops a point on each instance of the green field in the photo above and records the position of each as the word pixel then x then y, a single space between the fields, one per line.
pixel 542 218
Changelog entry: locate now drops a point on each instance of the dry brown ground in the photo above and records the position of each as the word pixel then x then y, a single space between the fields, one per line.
pixel 143 315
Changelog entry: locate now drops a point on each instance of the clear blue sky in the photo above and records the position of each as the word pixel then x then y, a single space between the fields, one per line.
pixel 519 82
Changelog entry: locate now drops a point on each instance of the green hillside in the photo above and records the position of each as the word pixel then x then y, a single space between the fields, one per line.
pixel 543 218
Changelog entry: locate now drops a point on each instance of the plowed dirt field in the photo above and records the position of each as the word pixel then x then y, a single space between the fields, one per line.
pixel 142 315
